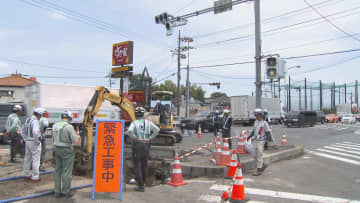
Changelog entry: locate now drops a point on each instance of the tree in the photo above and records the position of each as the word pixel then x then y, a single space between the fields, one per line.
pixel 218 94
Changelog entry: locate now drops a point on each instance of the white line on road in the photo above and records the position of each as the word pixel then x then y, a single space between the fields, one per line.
pixel 339 153
pixel 288 195
pixel 214 198
pixel 350 161
pixel 352 143
pixel 348 145
pixel 342 150
pixel 339 146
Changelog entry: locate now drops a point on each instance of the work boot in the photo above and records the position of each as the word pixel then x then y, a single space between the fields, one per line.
pixel 263 168
pixel 68 195
pixel 13 160
pixel 258 172
pixel 42 169
pixel 140 189
pixel 58 195
pixel 36 180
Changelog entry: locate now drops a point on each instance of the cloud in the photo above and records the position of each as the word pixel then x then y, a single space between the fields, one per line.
pixel 3 64
pixel 57 16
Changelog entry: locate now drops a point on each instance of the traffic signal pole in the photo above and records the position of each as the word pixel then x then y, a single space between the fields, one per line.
pixel 178 80
pixel 258 53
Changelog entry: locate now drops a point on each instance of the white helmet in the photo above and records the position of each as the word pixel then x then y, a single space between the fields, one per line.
pixel 39 111
pixel 258 112
pixel 66 114
pixel 17 107
pixel 226 111
pixel 157 101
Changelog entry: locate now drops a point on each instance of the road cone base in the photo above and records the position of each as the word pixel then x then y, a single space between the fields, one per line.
pixel 177 184
pixel 240 201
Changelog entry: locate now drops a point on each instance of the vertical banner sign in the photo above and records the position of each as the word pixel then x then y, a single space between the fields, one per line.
pixel 122 53
pixel 108 164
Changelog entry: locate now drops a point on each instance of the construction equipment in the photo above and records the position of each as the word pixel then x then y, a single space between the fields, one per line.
pixel 83 155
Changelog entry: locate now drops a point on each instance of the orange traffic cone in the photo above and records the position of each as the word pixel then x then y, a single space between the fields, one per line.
pixel 217 151
pixel 225 197
pixel 241 144
pixel 176 176
pixel 283 140
pixel 238 189
pixel 78 142
pixel 233 164
pixel 199 134
pixel 225 154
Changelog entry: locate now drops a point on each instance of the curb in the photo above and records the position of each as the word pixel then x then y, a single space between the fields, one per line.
pixel 190 170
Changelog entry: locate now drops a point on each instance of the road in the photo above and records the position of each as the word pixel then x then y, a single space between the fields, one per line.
pixel 328 172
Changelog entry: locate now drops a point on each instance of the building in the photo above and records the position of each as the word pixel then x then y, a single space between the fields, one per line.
pixel 217 103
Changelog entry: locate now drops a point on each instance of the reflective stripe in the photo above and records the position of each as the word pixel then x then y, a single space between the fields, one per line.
pixel 177 171
pixel 177 162
pixel 218 150
pixel 226 144
pixel 226 152
pixel 233 163
pixel 239 172
pixel 239 182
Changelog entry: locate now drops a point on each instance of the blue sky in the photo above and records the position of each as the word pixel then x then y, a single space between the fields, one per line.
pixel 49 37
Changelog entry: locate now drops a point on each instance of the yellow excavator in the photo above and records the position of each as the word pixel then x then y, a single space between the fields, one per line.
pixel 83 155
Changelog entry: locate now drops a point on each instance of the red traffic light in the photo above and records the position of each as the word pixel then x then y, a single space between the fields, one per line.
pixel 218 85
pixel 271 61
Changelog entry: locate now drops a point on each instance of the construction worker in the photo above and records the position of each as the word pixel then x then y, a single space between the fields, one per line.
pixel 270 141
pixel 32 135
pixel 141 132
pixel 226 131
pixel 13 127
pixel 259 136
pixel 216 121
pixel 43 123
pixel 64 136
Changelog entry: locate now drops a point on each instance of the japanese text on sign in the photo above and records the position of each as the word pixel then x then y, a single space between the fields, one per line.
pixel 122 53
pixel 107 172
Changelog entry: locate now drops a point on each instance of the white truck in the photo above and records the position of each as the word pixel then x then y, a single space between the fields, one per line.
pixel 57 98
pixel 242 109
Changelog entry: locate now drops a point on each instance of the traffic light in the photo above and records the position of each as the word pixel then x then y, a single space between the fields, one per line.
pixel 272 67
pixel 218 85
pixel 162 18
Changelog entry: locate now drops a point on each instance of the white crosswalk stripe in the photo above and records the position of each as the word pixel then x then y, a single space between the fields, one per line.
pixel 345 152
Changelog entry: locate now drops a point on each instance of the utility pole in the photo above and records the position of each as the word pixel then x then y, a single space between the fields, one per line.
pixel 311 99
pixel 356 94
pixel 345 92
pixel 299 88
pixel 178 79
pixel 339 95
pixel 279 90
pixel 258 52
pixel 321 103
pixel 187 106
pixel 289 94
pixel 305 95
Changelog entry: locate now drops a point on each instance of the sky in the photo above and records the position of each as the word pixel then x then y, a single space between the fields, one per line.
pixel 70 42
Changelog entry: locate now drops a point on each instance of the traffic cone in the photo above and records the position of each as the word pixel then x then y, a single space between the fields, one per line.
pixel 225 197
pixel 199 134
pixel 176 176
pixel 283 140
pixel 225 154
pixel 78 142
pixel 233 164
pixel 241 144
pixel 217 151
pixel 238 189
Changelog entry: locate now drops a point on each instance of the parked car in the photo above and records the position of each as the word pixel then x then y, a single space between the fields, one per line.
pixel 320 117
pixel 204 119
pixel 332 118
pixel 348 118
pixel 300 118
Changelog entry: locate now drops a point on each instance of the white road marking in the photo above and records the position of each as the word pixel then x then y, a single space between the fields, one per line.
pixel 350 161
pixel 342 150
pixel 342 128
pixel 339 153
pixel 352 143
pixel 348 145
pixel 214 198
pixel 201 181
pixel 288 195
pixel 345 147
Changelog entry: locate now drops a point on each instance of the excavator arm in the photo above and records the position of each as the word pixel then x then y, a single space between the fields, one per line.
pixel 101 94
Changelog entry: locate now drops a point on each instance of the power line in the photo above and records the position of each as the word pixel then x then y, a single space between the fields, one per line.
pixel 263 21
pixel 331 23
pixel 169 76
pixel 48 66
pixel 225 76
pixel 279 28
pixel 184 7
pixel 292 57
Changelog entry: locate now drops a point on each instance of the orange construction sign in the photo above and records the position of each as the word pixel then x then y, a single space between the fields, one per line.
pixel 108 165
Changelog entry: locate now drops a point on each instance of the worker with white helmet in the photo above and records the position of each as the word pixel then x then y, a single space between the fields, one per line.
pixel 32 136
pixel 13 128
pixel 216 121
pixel 44 123
pixel 226 131
pixel 141 131
pixel 259 136
pixel 64 136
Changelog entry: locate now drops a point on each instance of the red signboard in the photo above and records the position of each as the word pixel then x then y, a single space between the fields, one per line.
pixel 122 53
pixel 136 96
pixel 107 175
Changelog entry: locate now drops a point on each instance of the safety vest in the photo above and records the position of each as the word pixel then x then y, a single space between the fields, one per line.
pixel 142 129
pixel 28 129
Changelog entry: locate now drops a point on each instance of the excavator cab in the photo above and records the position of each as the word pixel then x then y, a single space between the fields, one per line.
pixel 162 113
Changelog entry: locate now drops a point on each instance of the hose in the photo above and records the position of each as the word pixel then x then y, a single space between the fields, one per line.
pixel 40 194
pixel 20 177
